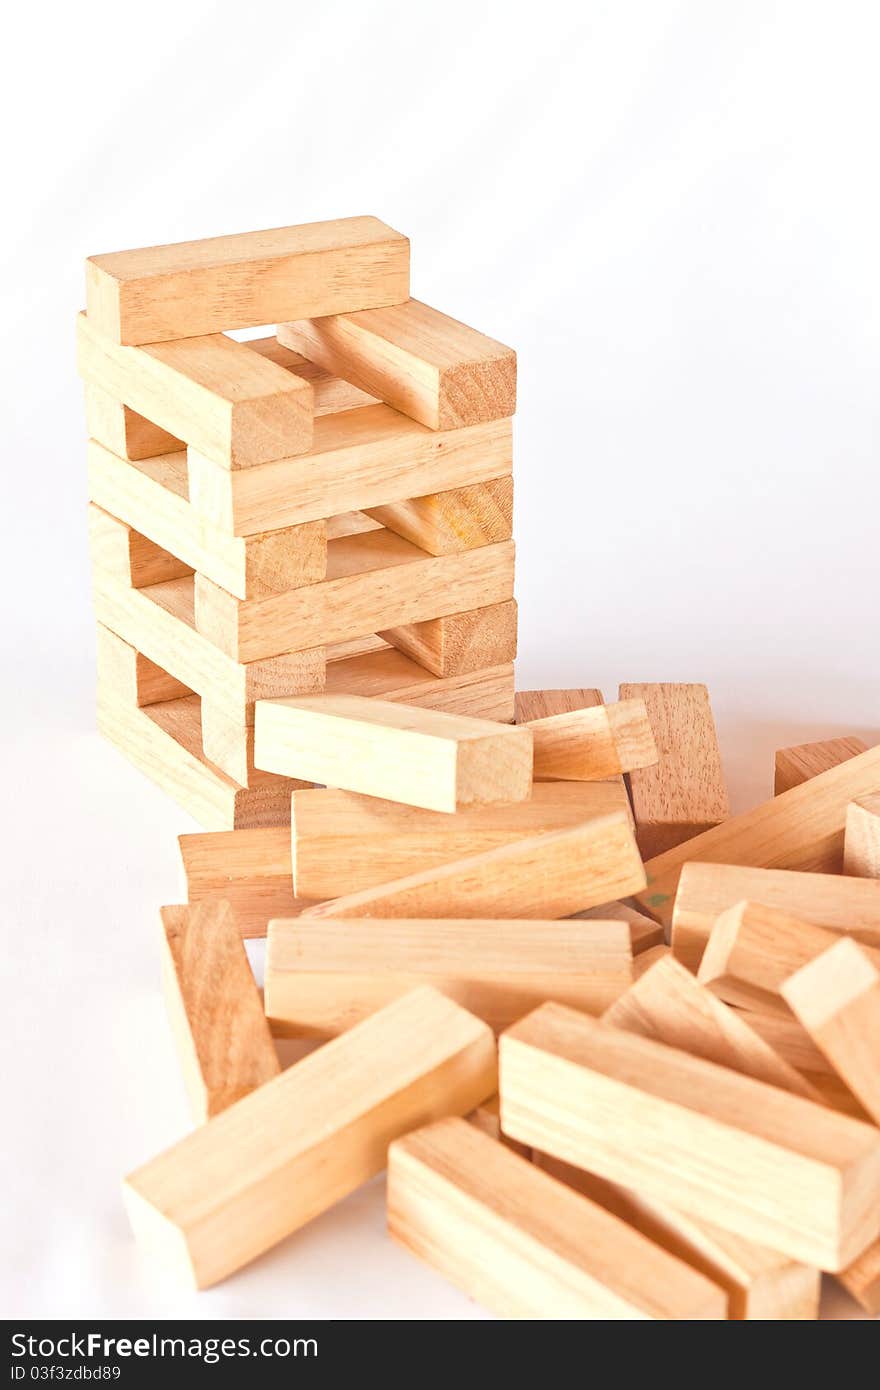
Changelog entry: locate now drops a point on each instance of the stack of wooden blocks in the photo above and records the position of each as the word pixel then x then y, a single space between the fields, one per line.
pixel 328 508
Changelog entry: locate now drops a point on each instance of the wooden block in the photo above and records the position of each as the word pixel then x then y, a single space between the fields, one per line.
pixel 123 431
pixel 800 829
pixel 324 976
pixel 861 838
pixel 331 393
pixel 132 678
pixel 132 559
pixel 591 744
pixel 460 642
pixel 551 875
pixel 798 764
pixel 487 1118
pixel 683 794
pixel 302 1142
pixel 836 997
pixel 392 676
pixel 666 1003
pixel 358 459
pixel 748 1157
pixel 222 1035
pixel 422 362
pixel 415 756
pixel 645 960
pixel 541 704
pixel 835 902
pixel 248 868
pixel 524 1244
pixel 153 496
pixel 244 280
pixel 228 743
pixel 789 1041
pixel 230 403
pixel 861 1279
pixel 443 523
pixel 645 934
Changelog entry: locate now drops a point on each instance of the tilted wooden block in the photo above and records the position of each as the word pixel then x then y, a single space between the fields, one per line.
pixel 358 459
pixel 525 1245
pixel 422 362
pixel 833 901
pixel 321 977
pixel 666 1003
pixel 247 279
pixel 798 764
pixel 551 875
pixel 444 523
pixel 390 675
pixel 540 704
pixel 302 1142
pixel 748 1157
pixel 801 829
pixel 836 997
pixel 460 642
pixel 222 1034
pixel 683 793
pixel 591 744
pixel 789 1041
pixel 230 403
pixel 861 838
pixel 250 869
pixel 121 430
pixel 415 756
pixel 645 934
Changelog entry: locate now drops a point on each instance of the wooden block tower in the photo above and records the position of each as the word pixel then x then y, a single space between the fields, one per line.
pixel 328 508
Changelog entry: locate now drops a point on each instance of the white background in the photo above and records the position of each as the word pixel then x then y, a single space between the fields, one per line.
pixel 672 212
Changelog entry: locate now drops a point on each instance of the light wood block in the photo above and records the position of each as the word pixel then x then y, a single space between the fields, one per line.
pixel 422 362
pixel 836 996
pixel 666 1003
pixel 222 1035
pixel 833 901
pixel 230 403
pixel 683 794
pixel 525 1245
pixel 241 281
pixel 751 1158
pixel 541 704
pixel 123 431
pixel 302 1142
pixel 461 642
pixel 551 875
pixel 228 743
pixel 331 393
pixel 358 459
pixel 861 1279
pixel 798 764
pixel 645 934
pixel 591 744
pixel 132 559
pixel 789 1041
pixel 324 976
pixel 443 523
pixel 487 1118
pixel 418 757
pixel 130 677
pixel 861 838
pixel 801 829
pixel 250 869
pixel 390 675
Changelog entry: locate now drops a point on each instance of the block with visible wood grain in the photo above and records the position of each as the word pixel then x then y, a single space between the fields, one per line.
pixel 540 704
pixel 861 838
pixel 792 766
pixel 752 1158
pixel 460 642
pixel 415 756
pixel 222 1034
pixel 443 523
pixel 386 672
pixel 121 430
pixel 250 869
pixel 300 1143
pixel 524 1244
pixel 592 744
pixel 645 933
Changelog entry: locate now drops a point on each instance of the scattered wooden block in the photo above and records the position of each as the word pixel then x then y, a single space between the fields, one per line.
pixel 835 902
pixel 861 838
pixel 751 1158
pixel 591 744
pixel 683 793
pixel 460 642
pixel 551 875
pixel 487 1118
pixel 541 704
pixel 227 401
pixel 415 756
pixel 390 675
pixel 241 281
pixel 123 431
pixel 861 1279
pixel 793 766
pixel 645 934
pixel 443 523
pixel 302 1142
pixel 789 1041
pixel 801 829
pixel 836 996
pixel 250 869
pixel 522 1243
pixel 323 976
pixel 222 1034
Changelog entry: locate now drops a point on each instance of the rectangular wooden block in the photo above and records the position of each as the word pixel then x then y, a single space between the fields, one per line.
pixel 835 902
pixel 324 976
pixel 751 1158
pixel 250 869
pixel 302 1142
pixel 389 674
pixel 861 1279
pixel 422 362
pixel 132 559
pixel 443 523
pixel 487 1118
pixel 798 764
pixel 800 829
pixel 230 403
pixel 228 743
pixel 130 677
pixel 645 934
pixel 525 1245
pixel 551 875
pixel 861 838
pixel 591 744
pixel 460 642
pixel 359 459
pixel 415 756
pixel 241 281
pixel 683 794
pixel 124 432
pixel 540 704
pixel 223 1038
